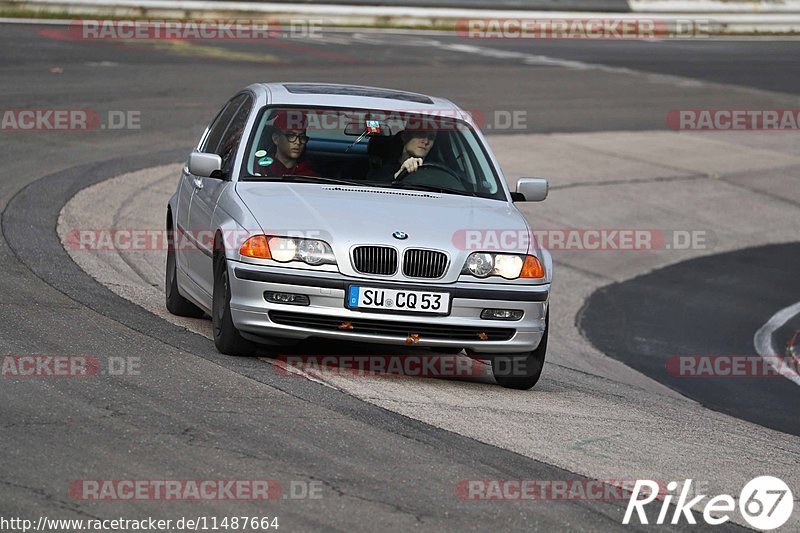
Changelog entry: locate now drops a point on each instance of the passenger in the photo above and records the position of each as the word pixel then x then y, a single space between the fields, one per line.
pixel 289 139
pixel 417 144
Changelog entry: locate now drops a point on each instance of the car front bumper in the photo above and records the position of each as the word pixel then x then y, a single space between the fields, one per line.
pixel 328 317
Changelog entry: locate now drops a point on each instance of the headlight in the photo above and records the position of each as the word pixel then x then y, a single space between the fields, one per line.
pixel 480 265
pixel 313 252
pixel 508 266
pixel 309 251
pixel 283 250
pixel 286 249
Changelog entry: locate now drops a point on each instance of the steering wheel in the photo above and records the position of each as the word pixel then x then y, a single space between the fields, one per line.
pixel 434 166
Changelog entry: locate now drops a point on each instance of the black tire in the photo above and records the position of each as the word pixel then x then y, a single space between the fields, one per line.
pixel 227 338
pixel 177 304
pixel 505 368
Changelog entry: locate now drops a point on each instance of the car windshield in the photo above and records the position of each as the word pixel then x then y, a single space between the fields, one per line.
pixel 368 148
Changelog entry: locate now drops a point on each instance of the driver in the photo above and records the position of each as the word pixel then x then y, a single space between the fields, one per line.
pixel 289 139
pixel 417 144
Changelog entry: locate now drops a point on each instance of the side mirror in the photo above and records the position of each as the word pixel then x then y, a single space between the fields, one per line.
pixel 204 165
pixel 530 190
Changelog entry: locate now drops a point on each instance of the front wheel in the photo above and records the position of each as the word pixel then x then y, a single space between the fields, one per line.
pixel 522 371
pixel 227 338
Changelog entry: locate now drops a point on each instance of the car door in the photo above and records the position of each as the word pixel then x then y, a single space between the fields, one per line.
pixel 185 253
pixel 208 190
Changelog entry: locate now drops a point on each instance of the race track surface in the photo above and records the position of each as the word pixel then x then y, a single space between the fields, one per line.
pixel 690 308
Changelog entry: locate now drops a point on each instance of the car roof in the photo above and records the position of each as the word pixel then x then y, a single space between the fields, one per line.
pixel 357 96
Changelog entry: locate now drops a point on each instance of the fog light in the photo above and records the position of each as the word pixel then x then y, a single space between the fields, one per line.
pixel 501 314
pixel 286 298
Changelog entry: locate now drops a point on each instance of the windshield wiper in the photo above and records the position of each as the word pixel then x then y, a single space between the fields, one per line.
pixel 431 188
pixel 299 178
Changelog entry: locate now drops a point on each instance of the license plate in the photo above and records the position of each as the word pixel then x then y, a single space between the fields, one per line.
pixel 402 301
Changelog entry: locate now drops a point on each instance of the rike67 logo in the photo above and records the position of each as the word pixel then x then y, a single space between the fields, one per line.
pixel 765 502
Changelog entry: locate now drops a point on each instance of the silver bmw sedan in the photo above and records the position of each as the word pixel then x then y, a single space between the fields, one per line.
pixel 361 214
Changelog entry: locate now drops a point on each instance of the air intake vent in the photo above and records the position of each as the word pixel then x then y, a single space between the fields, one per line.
pixel 378 260
pixel 393 329
pixel 428 264
pixel 373 191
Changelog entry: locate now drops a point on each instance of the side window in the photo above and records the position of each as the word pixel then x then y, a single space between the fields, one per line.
pixel 464 160
pixel 217 129
pixel 233 135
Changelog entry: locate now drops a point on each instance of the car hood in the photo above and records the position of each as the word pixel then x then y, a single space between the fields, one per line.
pixel 346 216
pixel 366 215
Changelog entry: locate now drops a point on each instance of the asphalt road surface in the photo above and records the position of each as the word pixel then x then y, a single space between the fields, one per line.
pixel 690 308
pixel 194 414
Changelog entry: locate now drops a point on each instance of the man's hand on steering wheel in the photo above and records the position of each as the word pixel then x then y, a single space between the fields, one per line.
pixel 409 165
pixel 403 173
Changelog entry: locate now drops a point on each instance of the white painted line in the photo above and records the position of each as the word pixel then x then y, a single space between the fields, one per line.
pixel 541 60
pixel 763 340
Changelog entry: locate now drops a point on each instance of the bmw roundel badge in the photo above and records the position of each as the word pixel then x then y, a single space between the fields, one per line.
pixel 400 235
